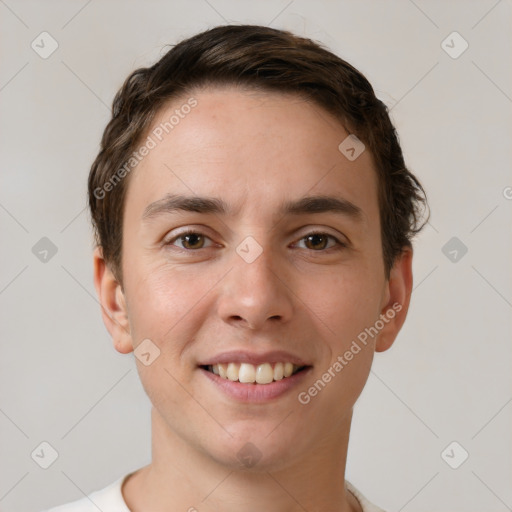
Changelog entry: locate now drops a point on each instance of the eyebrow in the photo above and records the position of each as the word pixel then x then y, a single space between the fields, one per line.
pixel 173 203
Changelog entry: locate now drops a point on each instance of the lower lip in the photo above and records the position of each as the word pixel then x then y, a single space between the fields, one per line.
pixel 256 392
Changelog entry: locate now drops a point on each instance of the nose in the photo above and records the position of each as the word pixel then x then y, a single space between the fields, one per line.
pixel 256 294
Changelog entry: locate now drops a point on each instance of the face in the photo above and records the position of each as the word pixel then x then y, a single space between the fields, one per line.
pixel 255 274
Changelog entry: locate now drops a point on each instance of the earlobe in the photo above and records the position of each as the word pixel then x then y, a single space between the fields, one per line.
pixel 398 296
pixel 113 304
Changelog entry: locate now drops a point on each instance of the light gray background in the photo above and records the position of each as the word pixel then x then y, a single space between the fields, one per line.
pixel 448 376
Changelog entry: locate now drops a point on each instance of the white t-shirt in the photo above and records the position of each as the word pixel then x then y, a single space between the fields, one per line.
pixel 110 499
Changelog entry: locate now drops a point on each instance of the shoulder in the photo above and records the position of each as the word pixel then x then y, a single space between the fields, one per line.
pixel 108 499
pixel 366 505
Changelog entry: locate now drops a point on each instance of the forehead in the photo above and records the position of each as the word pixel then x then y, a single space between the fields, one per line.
pixel 254 149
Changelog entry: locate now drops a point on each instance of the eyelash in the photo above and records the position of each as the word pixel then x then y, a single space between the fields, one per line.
pixel 340 245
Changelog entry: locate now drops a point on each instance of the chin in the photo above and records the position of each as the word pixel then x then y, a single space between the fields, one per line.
pixel 255 449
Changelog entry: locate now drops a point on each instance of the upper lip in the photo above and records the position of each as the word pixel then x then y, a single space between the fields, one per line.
pixel 243 356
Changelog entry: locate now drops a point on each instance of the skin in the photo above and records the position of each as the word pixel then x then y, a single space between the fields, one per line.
pixel 251 149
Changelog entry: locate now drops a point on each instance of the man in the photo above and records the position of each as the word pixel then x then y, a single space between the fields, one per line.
pixel 254 219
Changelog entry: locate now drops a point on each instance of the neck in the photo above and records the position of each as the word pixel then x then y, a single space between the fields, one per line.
pixel 185 478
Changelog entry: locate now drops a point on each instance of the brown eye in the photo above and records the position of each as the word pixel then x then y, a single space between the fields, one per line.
pixel 316 241
pixel 319 242
pixel 191 240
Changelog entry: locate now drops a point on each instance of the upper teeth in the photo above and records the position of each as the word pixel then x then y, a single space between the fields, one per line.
pixel 248 373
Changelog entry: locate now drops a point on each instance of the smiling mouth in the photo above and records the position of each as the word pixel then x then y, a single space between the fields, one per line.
pixel 247 373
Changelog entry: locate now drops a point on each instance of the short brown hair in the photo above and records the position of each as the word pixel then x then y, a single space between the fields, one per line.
pixel 260 58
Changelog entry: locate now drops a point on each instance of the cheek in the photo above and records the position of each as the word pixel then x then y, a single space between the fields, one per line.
pixel 162 300
pixel 342 307
pixel 344 303
pixel 165 307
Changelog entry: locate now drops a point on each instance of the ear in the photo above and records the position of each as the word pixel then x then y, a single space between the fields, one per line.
pixel 113 304
pixel 396 300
